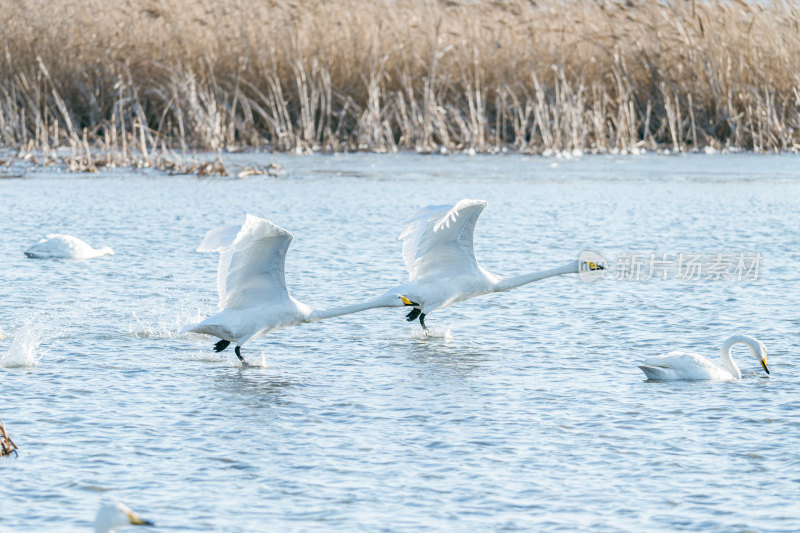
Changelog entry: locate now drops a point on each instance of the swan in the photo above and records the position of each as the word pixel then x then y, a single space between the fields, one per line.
pixel 441 264
pixel 690 366
pixel 55 246
pixel 114 516
pixel 253 298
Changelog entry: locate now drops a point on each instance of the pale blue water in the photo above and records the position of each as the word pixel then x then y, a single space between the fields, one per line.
pixel 531 416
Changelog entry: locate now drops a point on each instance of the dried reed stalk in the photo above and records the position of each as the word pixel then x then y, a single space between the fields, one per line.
pixel 95 84
pixel 7 446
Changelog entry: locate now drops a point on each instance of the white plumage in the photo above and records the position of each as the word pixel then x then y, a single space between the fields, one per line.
pixel 679 365
pixel 117 515
pixel 251 263
pixel 440 258
pixel 437 241
pixel 253 297
pixel 56 246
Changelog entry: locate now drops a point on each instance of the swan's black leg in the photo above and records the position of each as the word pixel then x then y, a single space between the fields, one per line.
pixel 221 345
pixel 422 320
pixel 238 351
pixel 412 316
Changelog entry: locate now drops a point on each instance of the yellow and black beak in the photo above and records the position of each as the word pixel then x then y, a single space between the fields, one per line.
pixel 406 301
pixel 137 521
pixel 764 364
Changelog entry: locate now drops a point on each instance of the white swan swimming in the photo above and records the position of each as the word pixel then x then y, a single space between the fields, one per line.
pixel 114 516
pixel 441 264
pixel 690 366
pixel 55 246
pixel 253 298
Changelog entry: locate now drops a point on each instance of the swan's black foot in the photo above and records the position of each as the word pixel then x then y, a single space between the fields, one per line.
pixel 422 321
pixel 412 316
pixel 221 345
pixel 238 351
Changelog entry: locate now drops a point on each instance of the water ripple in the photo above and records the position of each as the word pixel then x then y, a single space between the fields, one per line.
pixel 524 412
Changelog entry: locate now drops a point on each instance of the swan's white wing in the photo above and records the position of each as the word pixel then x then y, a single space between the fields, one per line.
pixel 682 365
pixel 251 262
pixel 220 239
pixel 437 240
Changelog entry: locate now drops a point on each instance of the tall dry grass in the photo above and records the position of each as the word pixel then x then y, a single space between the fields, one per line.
pixel 169 76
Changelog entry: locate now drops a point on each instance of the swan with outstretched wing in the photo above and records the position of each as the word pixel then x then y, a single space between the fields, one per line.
pixel 439 256
pixel 253 297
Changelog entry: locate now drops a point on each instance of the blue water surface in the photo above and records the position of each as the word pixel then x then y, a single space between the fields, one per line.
pixel 525 411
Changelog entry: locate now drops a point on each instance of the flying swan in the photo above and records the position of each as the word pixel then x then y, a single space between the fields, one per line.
pixel 55 246
pixel 114 516
pixel 441 264
pixel 253 298
pixel 690 366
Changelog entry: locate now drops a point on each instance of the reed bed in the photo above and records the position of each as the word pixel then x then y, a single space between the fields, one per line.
pixel 93 83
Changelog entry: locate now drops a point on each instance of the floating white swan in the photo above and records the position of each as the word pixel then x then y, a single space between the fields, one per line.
pixel 56 246
pixel 114 516
pixel 441 264
pixel 690 366
pixel 253 298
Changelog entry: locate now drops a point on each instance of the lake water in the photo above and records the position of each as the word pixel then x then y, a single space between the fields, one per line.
pixel 526 410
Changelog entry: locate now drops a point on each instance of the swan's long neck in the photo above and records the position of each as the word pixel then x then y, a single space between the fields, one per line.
pixel 727 358
pixel 387 300
pixel 517 281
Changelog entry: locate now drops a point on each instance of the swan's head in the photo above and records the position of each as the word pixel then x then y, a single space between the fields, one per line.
pixel 757 348
pixel 762 356
pixel 113 516
pixel 591 266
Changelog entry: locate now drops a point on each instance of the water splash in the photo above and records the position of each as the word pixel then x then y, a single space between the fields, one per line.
pixel 262 362
pixel 207 356
pixel 253 361
pixel 22 352
pixel 434 332
pixel 160 327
